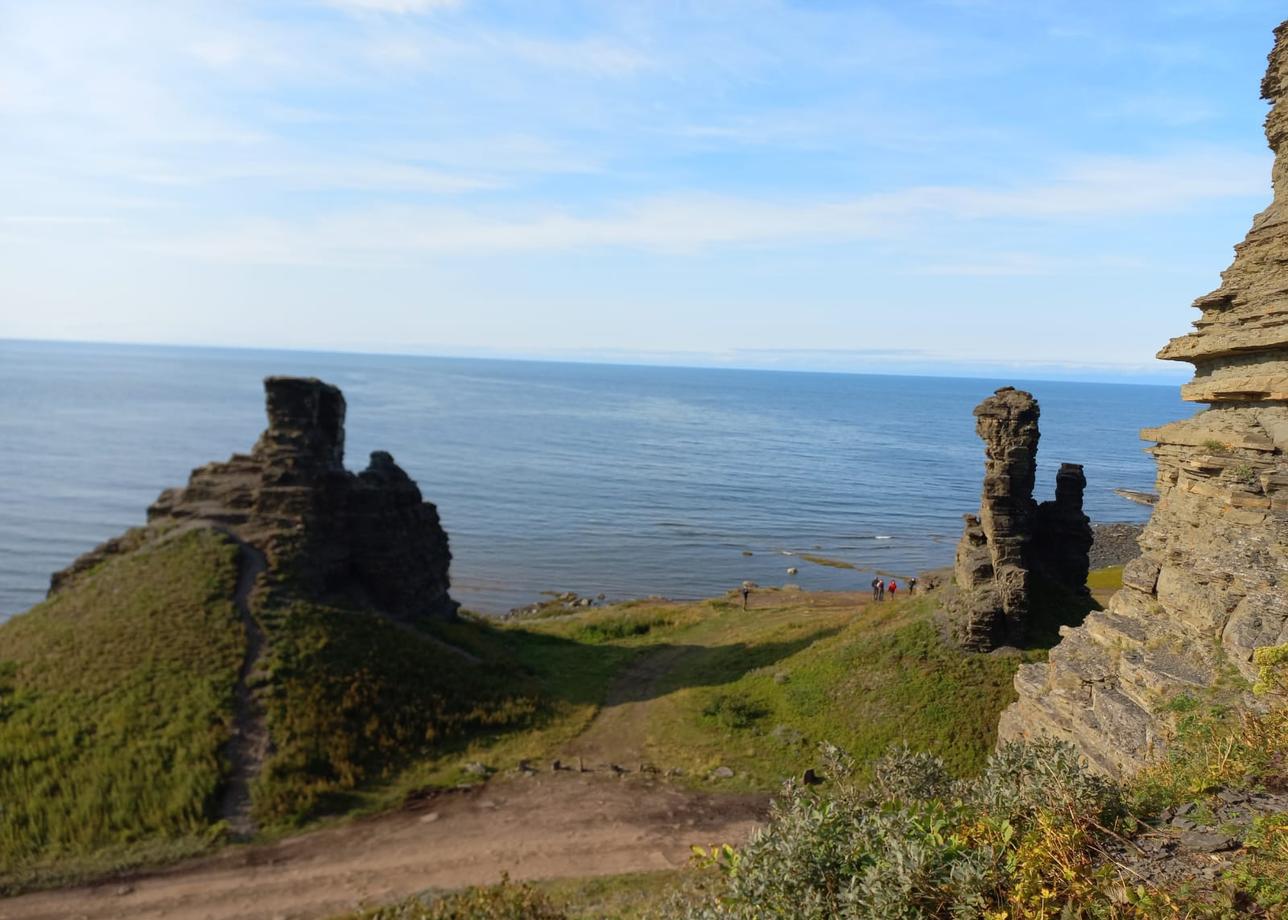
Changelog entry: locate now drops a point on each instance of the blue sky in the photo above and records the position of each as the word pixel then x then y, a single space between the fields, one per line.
pixel 927 186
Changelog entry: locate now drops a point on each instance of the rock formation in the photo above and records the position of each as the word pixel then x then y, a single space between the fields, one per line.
pixel 329 532
pixel 1211 584
pixel 1013 538
pixel 1063 537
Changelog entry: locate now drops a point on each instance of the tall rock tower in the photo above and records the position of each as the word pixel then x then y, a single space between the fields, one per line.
pixel 1212 583
pixel 1013 538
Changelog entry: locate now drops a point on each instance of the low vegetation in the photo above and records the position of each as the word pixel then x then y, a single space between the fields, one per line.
pixel 115 700
pixel 353 698
pixel 1033 836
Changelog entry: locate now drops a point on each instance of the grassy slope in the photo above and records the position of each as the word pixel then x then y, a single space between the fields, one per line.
pixel 754 691
pixel 759 690
pixel 354 700
pixel 115 698
pixel 131 701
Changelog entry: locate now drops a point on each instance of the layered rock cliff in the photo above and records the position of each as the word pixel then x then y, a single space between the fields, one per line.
pixel 324 530
pixel 1211 584
pixel 1013 539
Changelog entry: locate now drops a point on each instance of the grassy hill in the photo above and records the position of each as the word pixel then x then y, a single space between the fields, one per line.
pixel 117 700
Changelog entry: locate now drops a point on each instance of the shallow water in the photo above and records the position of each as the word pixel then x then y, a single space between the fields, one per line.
pixel 626 481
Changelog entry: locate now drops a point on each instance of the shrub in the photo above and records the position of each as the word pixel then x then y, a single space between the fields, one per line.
pixel 735 712
pixel 1018 841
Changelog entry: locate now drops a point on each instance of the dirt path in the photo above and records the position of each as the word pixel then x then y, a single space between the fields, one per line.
pixel 248 747
pixel 543 826
pixel 618 732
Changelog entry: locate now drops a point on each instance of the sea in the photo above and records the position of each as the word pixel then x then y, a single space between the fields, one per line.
pixel 624 481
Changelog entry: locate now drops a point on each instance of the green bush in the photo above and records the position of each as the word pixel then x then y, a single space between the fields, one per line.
pixel 735 712
pixel 1013 842
pixel 625 624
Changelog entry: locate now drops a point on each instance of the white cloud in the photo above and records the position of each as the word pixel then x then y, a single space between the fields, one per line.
pixel 393 6
pixel 1091 189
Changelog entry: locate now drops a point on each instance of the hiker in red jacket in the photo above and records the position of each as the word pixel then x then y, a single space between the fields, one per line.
pixel 893 588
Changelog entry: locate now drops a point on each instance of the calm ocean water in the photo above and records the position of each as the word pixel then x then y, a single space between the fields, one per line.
pixel 623 480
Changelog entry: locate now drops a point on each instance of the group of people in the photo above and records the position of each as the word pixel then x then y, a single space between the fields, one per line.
pixel 880 588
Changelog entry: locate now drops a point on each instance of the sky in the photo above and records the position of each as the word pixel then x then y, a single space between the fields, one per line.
pixel 921 186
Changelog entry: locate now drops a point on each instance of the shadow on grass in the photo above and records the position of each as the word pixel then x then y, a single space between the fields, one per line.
pixel 580 673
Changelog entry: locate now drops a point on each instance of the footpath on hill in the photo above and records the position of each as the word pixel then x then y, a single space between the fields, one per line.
pixel 543 825
pixel 536 824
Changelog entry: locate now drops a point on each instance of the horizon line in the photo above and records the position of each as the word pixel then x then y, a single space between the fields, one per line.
pixel 1047 371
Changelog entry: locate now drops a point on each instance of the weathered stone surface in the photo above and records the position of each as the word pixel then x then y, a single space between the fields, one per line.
pixel 1211 585
pixel 368 537
pixel 1012 538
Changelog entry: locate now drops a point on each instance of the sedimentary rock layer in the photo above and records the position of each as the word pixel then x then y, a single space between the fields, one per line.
pixel 1211 584
pixel 1013 538
pixel 368 536
pixel 991 569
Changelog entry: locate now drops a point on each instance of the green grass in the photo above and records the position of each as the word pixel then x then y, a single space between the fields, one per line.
pixel 1110 579
pixel 354 698
pixel 115 699
pixel 759 691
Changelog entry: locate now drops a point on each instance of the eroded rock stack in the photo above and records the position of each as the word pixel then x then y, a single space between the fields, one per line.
pixel 991 569
pixel 368 537
pixel 1012 539
pixel 1211 584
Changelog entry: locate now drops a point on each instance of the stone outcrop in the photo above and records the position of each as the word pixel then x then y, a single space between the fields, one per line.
pixel 368 537
pixel 1012 539
pixel 1211 584
pixel 1063 537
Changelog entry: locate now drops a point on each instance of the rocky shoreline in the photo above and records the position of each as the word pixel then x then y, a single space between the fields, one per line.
pixel 1115 544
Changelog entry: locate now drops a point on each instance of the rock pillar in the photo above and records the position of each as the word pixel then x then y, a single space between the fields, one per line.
pixel 1013 540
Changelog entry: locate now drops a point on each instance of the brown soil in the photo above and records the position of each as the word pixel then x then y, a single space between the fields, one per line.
pixel 547 825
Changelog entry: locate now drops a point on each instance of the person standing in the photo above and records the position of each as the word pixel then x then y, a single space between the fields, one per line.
pixel 744 590
pixel 876 589
pixel 912 586
pixel 894 588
